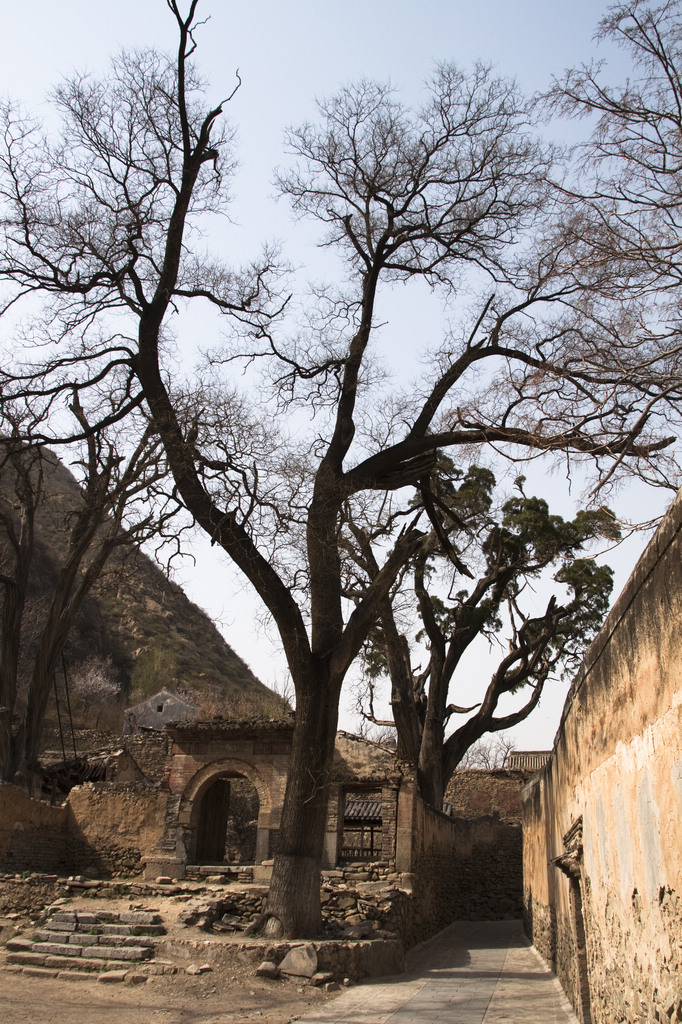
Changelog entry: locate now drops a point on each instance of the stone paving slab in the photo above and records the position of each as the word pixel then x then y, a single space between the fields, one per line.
pixel 119 952
pixel 473 972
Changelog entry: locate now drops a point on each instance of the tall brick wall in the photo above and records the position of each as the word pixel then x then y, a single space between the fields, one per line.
pixel 602 823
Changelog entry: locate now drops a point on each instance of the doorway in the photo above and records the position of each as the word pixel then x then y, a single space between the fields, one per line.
pixel 227 823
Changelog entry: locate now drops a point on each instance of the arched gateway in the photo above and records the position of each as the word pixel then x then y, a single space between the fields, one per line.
pixel 213 766
pixel 221 774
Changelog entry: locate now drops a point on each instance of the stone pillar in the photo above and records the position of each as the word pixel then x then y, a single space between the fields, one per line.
pixel 262 843
pixel 389 821
pixel 407 795
pixel 333 837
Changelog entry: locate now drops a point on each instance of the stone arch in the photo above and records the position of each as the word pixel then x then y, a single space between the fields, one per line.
pixel 199 784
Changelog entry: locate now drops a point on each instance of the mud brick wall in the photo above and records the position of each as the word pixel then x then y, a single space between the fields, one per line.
pixel 602 823
pixel 113 828
pixel 33 835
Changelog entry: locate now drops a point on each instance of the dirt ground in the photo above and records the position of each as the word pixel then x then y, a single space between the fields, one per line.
pixel 229 992
pixel 204 999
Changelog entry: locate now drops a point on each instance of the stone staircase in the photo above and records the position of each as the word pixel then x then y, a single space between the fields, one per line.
pixel 220 873
pixel 80 944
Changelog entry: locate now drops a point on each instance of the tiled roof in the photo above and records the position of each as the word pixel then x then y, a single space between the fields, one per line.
pixel 368 811
pixel 531 760
pixel 222 725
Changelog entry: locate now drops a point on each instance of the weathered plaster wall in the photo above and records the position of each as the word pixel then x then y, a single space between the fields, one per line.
pixel 101 829
pixel 113 827
pixel 617 765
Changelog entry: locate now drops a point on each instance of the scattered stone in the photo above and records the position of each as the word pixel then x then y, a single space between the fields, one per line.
pixel 321 978
pixel 133 978
pixel 112 976
pixel 300 961
pixel 268 969
pixel 198 969
pixel 358 931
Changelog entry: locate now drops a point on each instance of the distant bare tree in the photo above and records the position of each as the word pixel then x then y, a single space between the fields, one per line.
pixel 488 753
pixel 94 683
pixel 121 501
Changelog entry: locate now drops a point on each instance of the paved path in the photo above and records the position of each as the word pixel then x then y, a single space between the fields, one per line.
pixel 473 972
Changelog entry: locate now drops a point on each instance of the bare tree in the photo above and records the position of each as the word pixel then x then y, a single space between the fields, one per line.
pixel 94 683
pixel 120 502
pixel 487 754
pixel 620 204
pixel 100 226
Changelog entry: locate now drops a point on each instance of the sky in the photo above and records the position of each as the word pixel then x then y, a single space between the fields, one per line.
pixel 287 54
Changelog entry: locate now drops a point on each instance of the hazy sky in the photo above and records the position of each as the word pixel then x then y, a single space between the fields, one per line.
pixel 288 54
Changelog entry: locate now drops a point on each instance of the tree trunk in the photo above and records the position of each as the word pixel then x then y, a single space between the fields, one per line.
pixel 430 771
pixel 292 908
pixel 12 613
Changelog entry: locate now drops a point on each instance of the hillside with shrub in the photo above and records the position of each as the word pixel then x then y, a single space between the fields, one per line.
pixel 136 632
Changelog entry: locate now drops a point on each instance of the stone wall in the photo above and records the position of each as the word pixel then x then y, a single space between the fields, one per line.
pixel 467 868
pixel 602 823
pixel 149 749
pixel 476 793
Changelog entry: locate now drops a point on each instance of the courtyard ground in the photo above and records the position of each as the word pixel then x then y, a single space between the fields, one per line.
pixel 470 973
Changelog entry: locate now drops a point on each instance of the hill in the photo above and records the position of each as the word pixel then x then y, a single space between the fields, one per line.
pixel 136 621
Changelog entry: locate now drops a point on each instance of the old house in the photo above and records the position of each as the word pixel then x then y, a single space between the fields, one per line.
pixel 157 711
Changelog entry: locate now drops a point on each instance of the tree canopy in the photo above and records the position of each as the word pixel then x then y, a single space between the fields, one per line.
pixel 475 575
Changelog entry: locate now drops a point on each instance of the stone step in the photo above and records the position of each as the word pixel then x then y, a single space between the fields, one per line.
pixel 72 949
pixel 136 925
pixel 83 940
pixel 61 963
pixel 80 944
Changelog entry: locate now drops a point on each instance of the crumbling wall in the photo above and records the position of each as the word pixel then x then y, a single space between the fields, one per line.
pixel 114 828
pixel 602 824
pixel 33 835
